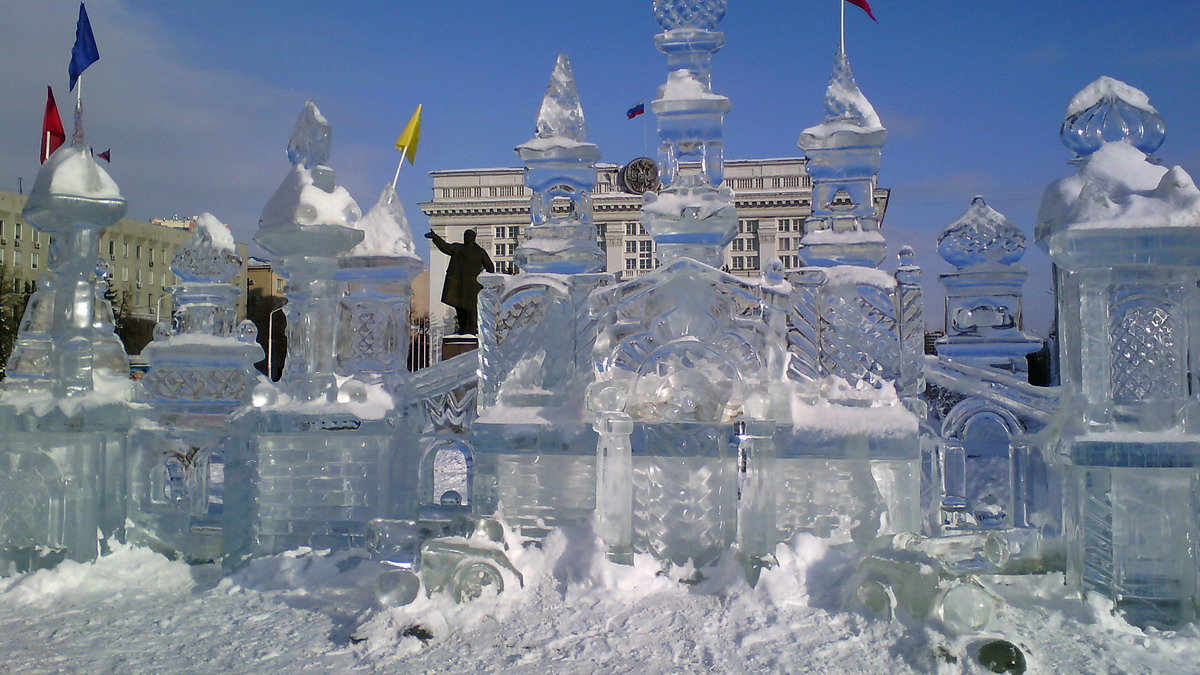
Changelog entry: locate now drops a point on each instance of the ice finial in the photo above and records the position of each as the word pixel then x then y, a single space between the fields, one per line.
pixel 844 102
pixel 1109 110
pixel 701 14
pixel 385 227
pixel 981 235
pixel 210 255
pixel 309 145
pixel 561 113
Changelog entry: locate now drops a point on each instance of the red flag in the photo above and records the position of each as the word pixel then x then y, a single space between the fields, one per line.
pixel 53 134
pixel 106 155
pixel 865 6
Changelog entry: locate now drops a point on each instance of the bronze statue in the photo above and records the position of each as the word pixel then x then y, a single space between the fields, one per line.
pixel 461 289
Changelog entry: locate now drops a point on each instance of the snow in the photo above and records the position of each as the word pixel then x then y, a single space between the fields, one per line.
pixel 1107 86
pixel 377 404
pixel 848 237
pixel 683 85
pixel 858 275
pixel 672 204
pixel 136 611
pixel 385 227
pixel 218 232
pixel 555 142
pixel 299 200
pixel 73 171
pixel 1117 187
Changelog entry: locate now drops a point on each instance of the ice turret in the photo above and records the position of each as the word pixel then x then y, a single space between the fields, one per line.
pixel 372 341
pixel 307 224
pixel 1124 235
pixel 693 216
pixel 560 165
pixel 983 297
pixel 844 154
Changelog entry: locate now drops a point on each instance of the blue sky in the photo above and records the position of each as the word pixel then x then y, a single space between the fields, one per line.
pixel 197 99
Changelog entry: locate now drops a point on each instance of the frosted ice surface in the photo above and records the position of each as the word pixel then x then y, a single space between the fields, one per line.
pixel 311 139
pixel 702 14
pixel 1110 110
pixel 385 227
pixel 302 199
pixel 846 108
pixel 72 171
pixel 561 114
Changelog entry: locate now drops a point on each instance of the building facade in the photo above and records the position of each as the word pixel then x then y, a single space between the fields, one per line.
pixel 773 198
pixel 138 253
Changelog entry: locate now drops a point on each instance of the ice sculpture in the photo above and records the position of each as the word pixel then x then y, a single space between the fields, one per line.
pixel 693 215
pixel 64 409
pixel 201 370
pixel 372 345
pixel 288 486
pixel 306 225
pixel 560 166
pixel 844 153
pixel 533 462
pixel 983 298
pixel 1124 234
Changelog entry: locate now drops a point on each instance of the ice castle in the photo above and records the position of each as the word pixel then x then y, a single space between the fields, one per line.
pixel 687 414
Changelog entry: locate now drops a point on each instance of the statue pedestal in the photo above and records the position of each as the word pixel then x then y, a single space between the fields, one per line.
pixel 458 344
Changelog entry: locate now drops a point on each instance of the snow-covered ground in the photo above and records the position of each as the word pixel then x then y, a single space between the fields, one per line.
pixel 136 611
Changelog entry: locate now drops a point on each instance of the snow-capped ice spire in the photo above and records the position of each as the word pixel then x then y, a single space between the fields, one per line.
pixel 844 101
pixel 561 113
pixel 385 227
pixel 310 142
pixel 209 256
pixel 1109 110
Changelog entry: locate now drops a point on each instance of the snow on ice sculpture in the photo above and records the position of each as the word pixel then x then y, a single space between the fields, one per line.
pixel 693 216
pixel 307 223
pixel 1124 234
pixel 63 410
pixel 689 355
pixel 373 326
pixel 534 465
pixel 201 370
pixel 561 167
pixel 844 153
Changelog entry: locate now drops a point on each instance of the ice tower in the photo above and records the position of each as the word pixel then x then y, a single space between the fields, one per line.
pixel 201 371
pixel 1124 235
pixel 533 463
pixel 63 411
pixel 844 153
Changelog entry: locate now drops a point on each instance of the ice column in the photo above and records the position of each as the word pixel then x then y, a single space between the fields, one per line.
pixel 983 297
pixel 844 153
pixel 307 224
pixel 74 201
pixel 560 166
pixel 1124 235
pixel 693 216
pixel 373 324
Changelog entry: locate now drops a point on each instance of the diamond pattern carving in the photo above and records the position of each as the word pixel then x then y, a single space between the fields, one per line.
pixel 1146 364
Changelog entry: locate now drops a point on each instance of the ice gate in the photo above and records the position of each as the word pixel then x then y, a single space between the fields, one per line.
pixel 684 414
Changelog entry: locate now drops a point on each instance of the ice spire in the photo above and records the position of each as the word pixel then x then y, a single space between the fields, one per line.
pixel 209 256
pixel 561 113
pixel 311 139
pixel 844 101
pixel 385 227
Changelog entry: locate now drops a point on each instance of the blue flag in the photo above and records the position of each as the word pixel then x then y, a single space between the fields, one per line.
pixel 84 53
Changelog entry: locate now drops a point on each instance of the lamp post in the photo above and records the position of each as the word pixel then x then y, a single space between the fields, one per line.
pixel 271 342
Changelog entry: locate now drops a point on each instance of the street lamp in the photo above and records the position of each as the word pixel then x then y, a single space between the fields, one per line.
pixel 158 307
pixel 271 341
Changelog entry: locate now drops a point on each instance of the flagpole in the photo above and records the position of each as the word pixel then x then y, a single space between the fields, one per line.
pixel 842 42
pixel 398 167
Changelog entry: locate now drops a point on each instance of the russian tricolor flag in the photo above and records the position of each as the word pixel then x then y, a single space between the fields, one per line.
pixel 636 110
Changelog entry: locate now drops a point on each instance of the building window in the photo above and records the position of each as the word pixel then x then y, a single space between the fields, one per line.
pixel 16 230
pixel 37 236
pixel 752 244
pixel 749 226
pixel 738 262
pixel 139 276
pixel 500 232
pixel 139 251
pixel 151 277
pixel 33 261
pixel 645 263
pixel 631 229
pixel 125 274
pixel 126 248
pixel 631 263
pixel 739 244
pixel 151 256
pixel 514 231
pixel 645 246
pixel 16 258
pixel 630 246
pixel 499 250
pixel 112 248
pixel 751 262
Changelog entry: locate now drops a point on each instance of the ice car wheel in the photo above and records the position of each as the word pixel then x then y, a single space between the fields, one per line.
pixel 474 577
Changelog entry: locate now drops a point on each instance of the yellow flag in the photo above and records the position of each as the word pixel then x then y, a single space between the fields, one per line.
pixel 410 137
